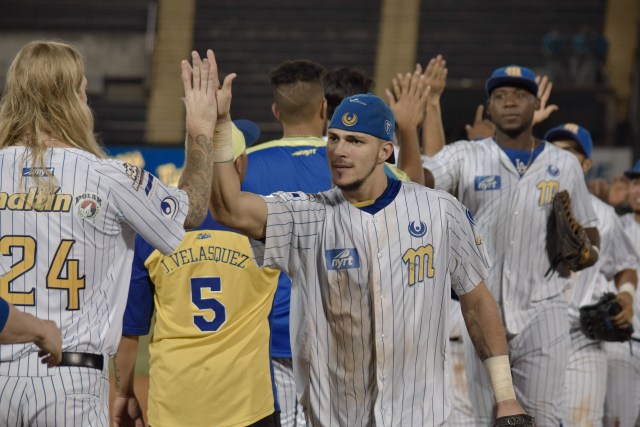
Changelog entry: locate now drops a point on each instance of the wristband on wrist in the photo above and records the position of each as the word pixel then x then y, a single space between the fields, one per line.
pixel 499 371
pixel 629 288
pixel 222 146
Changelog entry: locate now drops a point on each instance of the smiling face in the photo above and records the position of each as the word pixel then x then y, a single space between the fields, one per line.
pixel 511 109
pixel 354 157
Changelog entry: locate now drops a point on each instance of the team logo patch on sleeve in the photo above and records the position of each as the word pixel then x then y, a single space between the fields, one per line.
pixel 487 183
pixel 169 207
pixel 417 230
pixel 88 205
pixel 342 259
pixel 135 173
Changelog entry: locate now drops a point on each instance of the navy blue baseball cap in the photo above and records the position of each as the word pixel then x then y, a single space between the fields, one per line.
pixel 514 76
pixel 634 172
pixel 572 132
pixel 364 113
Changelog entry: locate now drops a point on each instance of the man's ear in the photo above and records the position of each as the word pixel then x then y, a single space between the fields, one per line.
pixel 386 149
pixel 275 111
pixel 586 165
pixel 323 109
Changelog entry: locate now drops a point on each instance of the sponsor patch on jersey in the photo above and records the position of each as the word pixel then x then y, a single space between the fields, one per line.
pixel 417 229
pixel 135 173
pixel 169 207
pixel 306 152
pixel 36 200
pixel 487 183
pixel 37 171
pixel 88 205
pixel 553 170
pixel 203 236
pixel 342 259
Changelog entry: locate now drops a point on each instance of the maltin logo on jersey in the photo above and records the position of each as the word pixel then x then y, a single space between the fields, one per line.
pixel 342 259
pixel 487 183
pixel 88 205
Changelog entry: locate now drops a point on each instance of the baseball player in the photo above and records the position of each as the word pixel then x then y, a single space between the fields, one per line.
pixel 210 362
pixel 18 327
pixel 586 375
pixel 372 263
pixel 296 162
pixel 623 379
pixel 67 222
pixel 509 182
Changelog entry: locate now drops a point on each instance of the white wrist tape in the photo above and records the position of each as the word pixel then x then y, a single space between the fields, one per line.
pixel 629 288
pixel 499 372
pixel 222 145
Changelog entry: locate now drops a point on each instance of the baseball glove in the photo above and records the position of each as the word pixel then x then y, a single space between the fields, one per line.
pixel 568 245
pixel 596 323
pixel 522 420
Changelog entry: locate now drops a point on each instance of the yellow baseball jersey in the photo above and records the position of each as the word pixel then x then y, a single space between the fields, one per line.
pixel 210 363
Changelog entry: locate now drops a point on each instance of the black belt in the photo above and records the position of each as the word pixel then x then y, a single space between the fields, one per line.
pixel 84 360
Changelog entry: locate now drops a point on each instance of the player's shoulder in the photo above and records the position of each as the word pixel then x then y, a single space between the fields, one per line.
pixel 476 146
pixel 284 145
pixel 329 196
pixel 431 193
pixel 601 207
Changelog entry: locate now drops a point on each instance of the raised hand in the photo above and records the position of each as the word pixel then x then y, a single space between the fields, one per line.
pixel 407 99
pixel 200 87
pixel 481 128
pixel 544 92
pixel 436 77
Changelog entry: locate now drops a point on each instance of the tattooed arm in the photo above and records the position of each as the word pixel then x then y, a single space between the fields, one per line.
pixel 200 91
pixel 484 325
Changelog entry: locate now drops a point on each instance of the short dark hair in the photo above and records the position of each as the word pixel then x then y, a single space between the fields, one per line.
pixel 343 82
pixel 297 89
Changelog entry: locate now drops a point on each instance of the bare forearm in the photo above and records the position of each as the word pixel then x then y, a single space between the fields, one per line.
pixel 626 276
pixel 432 129
pixel 124 362
pixel 483 323
pixel 196 178
pixel 409 158
pixel 21 327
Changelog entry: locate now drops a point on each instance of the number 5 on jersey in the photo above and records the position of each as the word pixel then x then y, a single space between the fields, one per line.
pixel 72 283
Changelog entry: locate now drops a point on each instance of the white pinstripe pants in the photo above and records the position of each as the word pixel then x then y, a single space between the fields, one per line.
pixel 622 405
pixel 291 413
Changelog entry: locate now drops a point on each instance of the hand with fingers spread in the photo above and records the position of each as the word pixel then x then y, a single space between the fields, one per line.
pixel 481 128
pixel 544 92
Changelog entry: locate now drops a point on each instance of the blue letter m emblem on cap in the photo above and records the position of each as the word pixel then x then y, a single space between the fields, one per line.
pixel 342 259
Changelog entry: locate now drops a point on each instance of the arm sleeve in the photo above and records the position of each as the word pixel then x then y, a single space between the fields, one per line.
pixel 622 254
pixel 293 226
pixel 446 165
pixel 470 262
pixel 140 305
pixel 4 313
pixel 154 210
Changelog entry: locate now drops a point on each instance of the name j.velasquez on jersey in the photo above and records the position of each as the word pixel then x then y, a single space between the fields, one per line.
pixel 204 253
pixel 36 200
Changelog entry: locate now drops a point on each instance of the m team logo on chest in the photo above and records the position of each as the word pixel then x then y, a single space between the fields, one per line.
pixel 342 259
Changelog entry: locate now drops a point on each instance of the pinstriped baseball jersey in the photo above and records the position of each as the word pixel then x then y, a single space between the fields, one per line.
pixel 512 213
pixel 68 258
pixel 616 254
pixel 374 291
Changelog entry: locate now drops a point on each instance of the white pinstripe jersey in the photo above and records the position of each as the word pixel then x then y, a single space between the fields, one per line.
pixel 68 259
pixel 370 296
pixel 512 214
pixel 616 254
pixel 632 230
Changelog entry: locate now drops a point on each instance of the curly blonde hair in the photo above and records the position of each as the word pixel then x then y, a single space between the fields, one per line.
pixel 42 96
